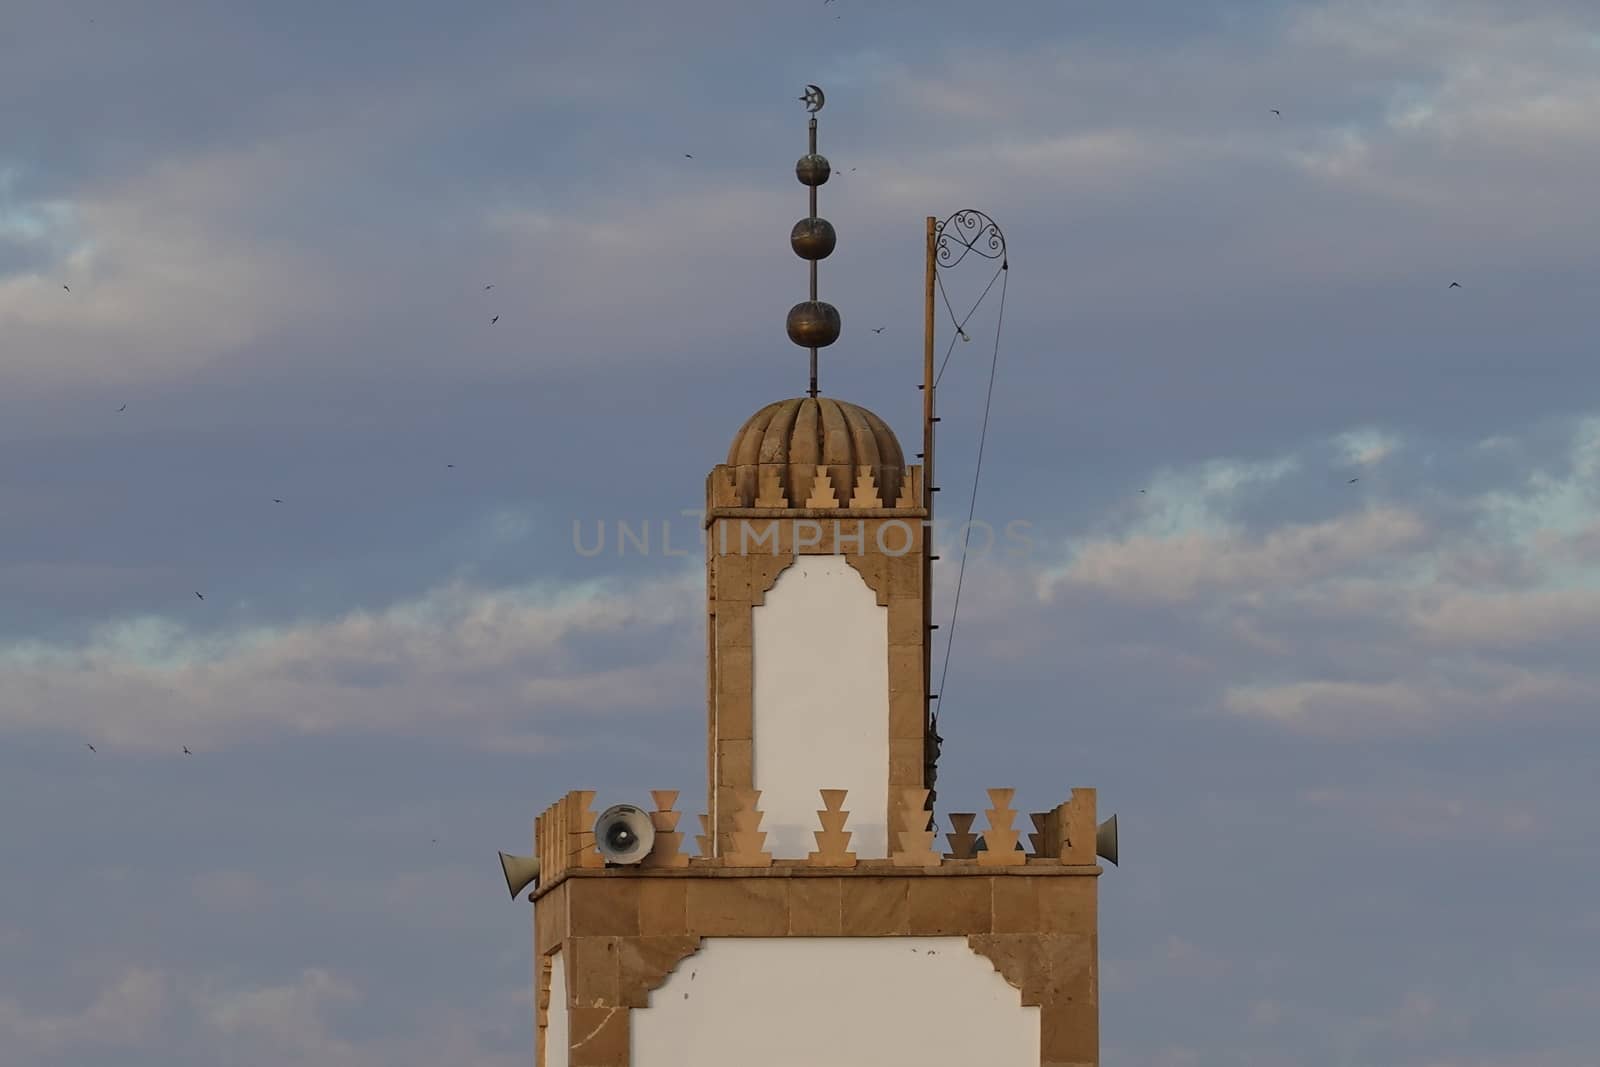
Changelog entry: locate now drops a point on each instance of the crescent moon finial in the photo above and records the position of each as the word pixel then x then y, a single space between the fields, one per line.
pixel 813 99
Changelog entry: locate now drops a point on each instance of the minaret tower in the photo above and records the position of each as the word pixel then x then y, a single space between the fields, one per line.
pixel 820 921
pixel 814 579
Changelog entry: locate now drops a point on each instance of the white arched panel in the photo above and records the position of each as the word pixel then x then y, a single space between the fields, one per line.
pixel 821 706
pixel 839 1002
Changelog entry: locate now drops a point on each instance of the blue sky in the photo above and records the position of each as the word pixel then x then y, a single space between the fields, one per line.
pixel 1344 725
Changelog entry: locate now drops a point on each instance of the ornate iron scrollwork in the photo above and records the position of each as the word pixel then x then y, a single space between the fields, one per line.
pixel 968 231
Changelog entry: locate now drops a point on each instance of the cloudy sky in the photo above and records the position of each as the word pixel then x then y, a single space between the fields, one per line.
pixel 1344 723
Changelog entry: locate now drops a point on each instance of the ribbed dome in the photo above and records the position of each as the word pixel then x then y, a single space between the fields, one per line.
pixel 794 437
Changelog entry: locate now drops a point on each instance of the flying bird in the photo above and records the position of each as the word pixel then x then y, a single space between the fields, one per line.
pixel 90 747
pixel 1141 490
pixel 1352 481
pixel 201 597
pixel 687 156
pixel 880 329
pixel 488 287
pixel 68 288
pixel 1278 113
pixel 494 320
pixel 275 500
pixel 123 408
pixel 1453 285
pixel 186 751
pixel 449 464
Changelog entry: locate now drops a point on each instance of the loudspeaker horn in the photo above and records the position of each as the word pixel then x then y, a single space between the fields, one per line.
pixel 624 834
pixel 1105 840
pixel 521 872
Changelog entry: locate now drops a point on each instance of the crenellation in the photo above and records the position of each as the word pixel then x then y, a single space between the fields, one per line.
pixel 1077 827
pixel 772 495
pixel 833 840
pixel 721 491
pixel 667 849
pixel 747 838
pixel 581 849
pixel 915 835
pixel 558 836
pixel 963 842
pixel 910 488
pixel 1039 840
pixel 1000 838
pixel 866 493
pixel 822 494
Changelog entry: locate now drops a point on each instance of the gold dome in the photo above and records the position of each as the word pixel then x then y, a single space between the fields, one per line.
pixel 794 437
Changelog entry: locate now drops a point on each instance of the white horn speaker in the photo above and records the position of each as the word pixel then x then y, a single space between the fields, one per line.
pixel 521 872
pixel 1105 840
pixel 624 834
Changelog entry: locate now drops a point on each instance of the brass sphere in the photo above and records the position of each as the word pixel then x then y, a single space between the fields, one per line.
pixel 813 324
pixel 813 238
pixel 813 169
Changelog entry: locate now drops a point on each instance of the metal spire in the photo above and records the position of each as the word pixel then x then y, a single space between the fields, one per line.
pixel 813 323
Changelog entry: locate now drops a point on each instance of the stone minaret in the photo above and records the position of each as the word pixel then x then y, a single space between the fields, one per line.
pixel 820 921
pixel 814 593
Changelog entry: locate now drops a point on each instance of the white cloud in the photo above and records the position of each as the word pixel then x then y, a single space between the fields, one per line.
pixel 1446 133
pixel 1511 619
pixel 1106 139
pixel 291 1013
pixel 1367 447
pixel 1183 566
pixel 1550 505
pixel 1481 82
pixel 128 1011
pixel 183 264
pixel 490 666
pixel 603 297
pixel 165 277
pixel 1375 622
pixel 176 270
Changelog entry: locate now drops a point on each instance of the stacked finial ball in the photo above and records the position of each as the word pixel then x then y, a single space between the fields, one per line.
pixel 813 323
pixel 813 239
pixel 813 169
